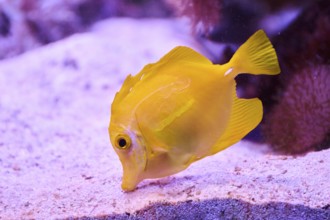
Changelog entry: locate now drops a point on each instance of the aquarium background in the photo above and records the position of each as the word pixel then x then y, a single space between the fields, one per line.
pixel 63 61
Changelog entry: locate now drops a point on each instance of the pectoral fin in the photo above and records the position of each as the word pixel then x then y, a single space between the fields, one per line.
pixel 161 108
pixel 153 131
pixel 245 116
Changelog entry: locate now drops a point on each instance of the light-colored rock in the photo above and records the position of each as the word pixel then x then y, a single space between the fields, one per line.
pixel 56 160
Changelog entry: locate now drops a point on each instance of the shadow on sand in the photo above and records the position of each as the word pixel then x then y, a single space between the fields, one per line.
pixel 223 209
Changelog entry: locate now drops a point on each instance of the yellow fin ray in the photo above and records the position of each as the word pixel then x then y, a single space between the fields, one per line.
pixel 129 82
pixel 246 115
pixel 182 53
pixel 255 56
pixel 179 53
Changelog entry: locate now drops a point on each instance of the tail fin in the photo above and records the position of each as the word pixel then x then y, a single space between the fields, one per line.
pixel 255 56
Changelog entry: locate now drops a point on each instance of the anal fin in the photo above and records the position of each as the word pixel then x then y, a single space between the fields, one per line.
pixel 245 116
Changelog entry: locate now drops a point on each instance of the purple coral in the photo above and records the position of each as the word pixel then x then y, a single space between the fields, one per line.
pixel 300 122
pixel 204 15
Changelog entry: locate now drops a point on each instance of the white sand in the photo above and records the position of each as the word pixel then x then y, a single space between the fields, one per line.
pixel 56 160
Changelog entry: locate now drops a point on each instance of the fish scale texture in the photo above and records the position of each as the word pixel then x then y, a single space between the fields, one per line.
pixel 56 161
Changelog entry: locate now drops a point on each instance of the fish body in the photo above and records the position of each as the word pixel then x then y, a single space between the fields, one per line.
pixel 184 108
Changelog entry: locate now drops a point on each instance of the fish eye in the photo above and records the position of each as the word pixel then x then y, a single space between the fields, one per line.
pixel 122 141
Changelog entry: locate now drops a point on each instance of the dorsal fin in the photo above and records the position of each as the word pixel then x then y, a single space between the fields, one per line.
pixel 131 81
pixel 182 53
pixel 177 54
pixel 128 84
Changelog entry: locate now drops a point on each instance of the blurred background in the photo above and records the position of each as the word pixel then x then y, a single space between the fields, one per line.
pixel 26 24
pixel 296 103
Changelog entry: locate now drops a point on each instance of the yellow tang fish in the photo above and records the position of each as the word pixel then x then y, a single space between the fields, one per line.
pixel 184 108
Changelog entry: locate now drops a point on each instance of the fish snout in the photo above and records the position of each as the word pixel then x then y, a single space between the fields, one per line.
pixel 128 187
pixel 130 181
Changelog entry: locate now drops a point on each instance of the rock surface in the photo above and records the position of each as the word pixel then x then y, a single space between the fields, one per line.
pixel 56 160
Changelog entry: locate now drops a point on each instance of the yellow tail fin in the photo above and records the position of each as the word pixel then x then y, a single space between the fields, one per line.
pixel 255 56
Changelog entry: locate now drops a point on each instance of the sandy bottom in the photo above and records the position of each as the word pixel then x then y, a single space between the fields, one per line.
pixel 56 160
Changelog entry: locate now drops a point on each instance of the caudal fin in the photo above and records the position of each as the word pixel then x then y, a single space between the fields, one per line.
pixel 255 56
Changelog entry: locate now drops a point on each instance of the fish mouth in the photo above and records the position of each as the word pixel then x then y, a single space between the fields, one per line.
pixel 130 179
pixel 127 187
